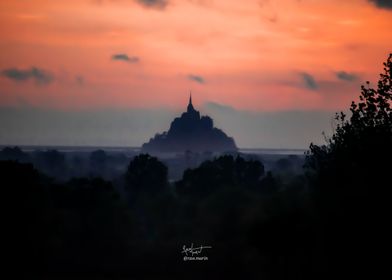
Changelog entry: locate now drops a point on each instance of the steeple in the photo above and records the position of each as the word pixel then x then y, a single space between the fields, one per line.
pixel 190 106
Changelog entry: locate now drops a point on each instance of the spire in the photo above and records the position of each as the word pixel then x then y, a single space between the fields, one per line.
pixel 190 106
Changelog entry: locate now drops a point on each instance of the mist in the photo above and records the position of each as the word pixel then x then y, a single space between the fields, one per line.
pixel 133 127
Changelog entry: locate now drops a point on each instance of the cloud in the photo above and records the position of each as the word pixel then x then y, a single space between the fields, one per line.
pixel 150 4
pixel 125 57
pixel 40 76
pixel 345 76
pixel 384 4
pixel 309 81
pixel 155 4
pixel 196 78
pixel 221 108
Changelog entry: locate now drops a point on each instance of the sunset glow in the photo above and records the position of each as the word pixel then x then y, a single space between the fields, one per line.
pixel 249 54
pixel 254 56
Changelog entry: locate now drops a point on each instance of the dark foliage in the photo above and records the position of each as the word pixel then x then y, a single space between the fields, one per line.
pixel 98 162
pixel 52 161
pixel 14 153
pixel 351 180
pixel 56 230
pixel 225 171
pixel 145 174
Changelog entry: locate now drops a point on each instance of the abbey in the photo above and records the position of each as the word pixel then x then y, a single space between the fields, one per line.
pixel 191 132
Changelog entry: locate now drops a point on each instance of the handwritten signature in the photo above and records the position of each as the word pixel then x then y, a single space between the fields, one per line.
pixel 194 251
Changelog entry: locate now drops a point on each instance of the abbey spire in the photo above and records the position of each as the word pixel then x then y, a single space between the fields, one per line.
pixel 190 106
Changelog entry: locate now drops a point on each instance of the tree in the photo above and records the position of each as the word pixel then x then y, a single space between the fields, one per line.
pixel 98 161
pixel 15 153
pixel 53 228
pixel 351 176
pixel 222 172
pixel 52 162
pixel 359 150
pixel 146 174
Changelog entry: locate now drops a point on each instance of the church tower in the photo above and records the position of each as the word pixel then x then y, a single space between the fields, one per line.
pixel 190 106
pixel 191 112
pixel 190 132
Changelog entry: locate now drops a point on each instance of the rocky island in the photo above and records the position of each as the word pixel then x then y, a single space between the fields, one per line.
pixel 191 132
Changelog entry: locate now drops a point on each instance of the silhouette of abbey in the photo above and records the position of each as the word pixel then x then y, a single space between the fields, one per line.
pixel 190 132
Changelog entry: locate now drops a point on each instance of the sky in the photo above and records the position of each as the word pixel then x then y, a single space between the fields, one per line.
pixel 271 73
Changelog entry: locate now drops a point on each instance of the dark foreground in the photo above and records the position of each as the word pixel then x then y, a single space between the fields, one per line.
pixel 258 225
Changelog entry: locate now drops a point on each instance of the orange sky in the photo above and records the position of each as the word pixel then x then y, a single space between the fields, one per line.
pixel 262 55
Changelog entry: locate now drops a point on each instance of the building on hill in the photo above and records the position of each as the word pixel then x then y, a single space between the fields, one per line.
pixel 191 132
